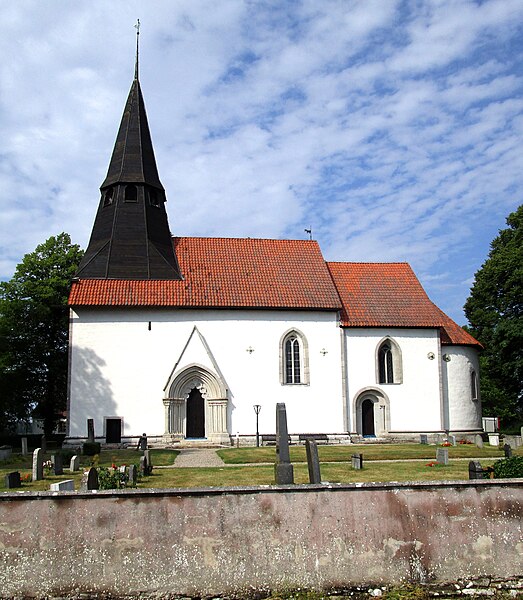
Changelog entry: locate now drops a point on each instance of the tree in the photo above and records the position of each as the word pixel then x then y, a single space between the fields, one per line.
pixel 34 326
pixel 494 311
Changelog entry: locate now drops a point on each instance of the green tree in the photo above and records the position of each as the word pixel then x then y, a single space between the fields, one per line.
pixel 34 325
pixel 494 311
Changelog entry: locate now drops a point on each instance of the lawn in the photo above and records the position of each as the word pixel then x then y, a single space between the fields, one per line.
pixel 342 453
pixel 335 467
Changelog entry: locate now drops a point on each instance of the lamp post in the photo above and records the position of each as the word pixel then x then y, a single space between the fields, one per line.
pixel 257 408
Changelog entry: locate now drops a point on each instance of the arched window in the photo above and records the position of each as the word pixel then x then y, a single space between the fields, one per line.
pixel 386 368
pixel 294 360
pixel 131 193
pixel 389 365
pixel 474 385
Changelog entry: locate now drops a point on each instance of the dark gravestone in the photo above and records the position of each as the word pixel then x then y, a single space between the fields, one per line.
pixel 423 438
pixel 133 476
pixel 508 450
pixel 58 464
pixel 90 430
pixel 357 461
pixel 147 454
pixel 24 446
pixel 475 470
pixel 89 480
pixel 43 444
pixel 38 465
pixel 12 480
pixel 313 461
pixel 142 442
pixel 283 469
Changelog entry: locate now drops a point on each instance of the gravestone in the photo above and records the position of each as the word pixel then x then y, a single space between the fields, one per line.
pixel 142 442
pixel 147 454
pixel 90 431
pixel 508 451
pixel 5 452
pixel 423 438
pixel 122 469
pixel 313 461
pixel 12 480
pixel 89 480
pixel 452 440
pixel 133 475
pixel 58 464
pixel 493 439
pixel 521 432
pixel 475 470
pixel 38 466
pixel 74 465
pixel 283 469
pixel 24 446
pixel 43 444
pixel 357 461
pixel 442 456
pixel 63 486
pixel 144 467
pixel 479 441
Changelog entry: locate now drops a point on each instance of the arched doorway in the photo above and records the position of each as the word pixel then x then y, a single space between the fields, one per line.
pixel 196 405
pixel 195 426
pixel 371 412
pixel 367 418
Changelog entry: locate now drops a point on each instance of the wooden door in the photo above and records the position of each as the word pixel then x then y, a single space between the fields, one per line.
pixel 113 431
pixel 195 415
pixel 367 417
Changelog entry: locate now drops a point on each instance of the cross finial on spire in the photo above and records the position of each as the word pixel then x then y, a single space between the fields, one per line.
pixel 137 27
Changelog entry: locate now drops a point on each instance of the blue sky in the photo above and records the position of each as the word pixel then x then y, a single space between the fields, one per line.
pixel 392 128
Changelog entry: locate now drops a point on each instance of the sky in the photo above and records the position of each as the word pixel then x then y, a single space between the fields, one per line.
pixel 391 128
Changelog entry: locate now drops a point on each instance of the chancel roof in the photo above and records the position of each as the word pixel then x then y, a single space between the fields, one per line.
pixel 390 295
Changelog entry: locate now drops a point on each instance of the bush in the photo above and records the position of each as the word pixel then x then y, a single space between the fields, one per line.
pixel 91 448
pixel 111 479
pixel 508 467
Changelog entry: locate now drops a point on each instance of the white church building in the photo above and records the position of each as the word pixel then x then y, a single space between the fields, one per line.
pixel 181 338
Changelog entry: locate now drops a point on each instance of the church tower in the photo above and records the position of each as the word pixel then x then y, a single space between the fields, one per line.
pixel 131 237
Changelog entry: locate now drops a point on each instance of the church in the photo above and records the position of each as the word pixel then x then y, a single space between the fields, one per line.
pixel 188 338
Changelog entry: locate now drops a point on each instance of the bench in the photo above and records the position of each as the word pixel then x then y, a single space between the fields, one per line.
pixel 320 438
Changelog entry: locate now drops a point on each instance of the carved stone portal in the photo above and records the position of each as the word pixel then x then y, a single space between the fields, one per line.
pixel 215 400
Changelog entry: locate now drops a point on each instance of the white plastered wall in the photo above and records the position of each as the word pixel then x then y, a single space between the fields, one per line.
pixel 120 365
pixel 411 406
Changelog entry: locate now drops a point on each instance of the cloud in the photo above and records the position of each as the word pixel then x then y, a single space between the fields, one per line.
pixel 393 129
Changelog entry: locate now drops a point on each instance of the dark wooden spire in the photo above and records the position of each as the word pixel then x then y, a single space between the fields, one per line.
pixel 131 237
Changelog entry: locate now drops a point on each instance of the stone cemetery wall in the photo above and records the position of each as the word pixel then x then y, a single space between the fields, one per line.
pixel 219 541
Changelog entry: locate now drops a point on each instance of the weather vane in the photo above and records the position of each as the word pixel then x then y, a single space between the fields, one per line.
pixel 137 27
pixel 309 231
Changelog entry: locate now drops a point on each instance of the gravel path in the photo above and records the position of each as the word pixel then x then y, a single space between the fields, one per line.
pixel 198 457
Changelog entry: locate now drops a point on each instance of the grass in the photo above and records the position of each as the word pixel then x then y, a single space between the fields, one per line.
pixel 340 453
pixel 335 466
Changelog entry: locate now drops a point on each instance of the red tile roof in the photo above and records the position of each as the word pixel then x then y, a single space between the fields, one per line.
pixel 390 295
pixel 226 273
pixel 286 274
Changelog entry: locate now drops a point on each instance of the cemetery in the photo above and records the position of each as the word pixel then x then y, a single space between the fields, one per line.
pixel 334 516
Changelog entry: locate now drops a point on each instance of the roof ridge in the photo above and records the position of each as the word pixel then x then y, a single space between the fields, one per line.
pixel 362 262
pixel 253 239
